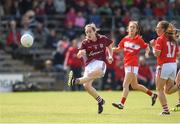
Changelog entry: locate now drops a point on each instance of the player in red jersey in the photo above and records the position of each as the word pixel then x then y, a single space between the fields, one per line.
pixel 166 50
pixel 177 106
pixel 75 64
pixel 93 50
pixel 132 44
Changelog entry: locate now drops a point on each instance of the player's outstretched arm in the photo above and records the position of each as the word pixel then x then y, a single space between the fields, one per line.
pixel 110 53
pixel 116 49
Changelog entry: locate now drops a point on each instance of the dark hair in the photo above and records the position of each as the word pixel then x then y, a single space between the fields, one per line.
pixel 169 30
pixel 137 26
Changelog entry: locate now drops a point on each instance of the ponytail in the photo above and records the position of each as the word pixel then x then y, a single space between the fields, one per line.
pixel 169 30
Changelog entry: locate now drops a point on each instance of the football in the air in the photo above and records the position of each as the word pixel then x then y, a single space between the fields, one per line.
pixel 27 40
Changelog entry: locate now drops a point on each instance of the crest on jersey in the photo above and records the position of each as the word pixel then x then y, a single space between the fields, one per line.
pixel 132 45
pixel 101 45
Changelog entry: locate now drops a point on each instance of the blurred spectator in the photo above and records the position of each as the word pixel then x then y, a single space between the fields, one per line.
pixel 2 44
pixel 15 9
pixel 160 9
pixel 82 7
pixel 48 67
pixel 70 16
pixel 30 18
pixel 50 7
pixel 1 9
pixel 126 18
pixel 60 6
pixel 120 34
pixel 25 22
pixel 172 11
pixel 176 9
pixel 59 55
pixel 118 17
pixel 70 31
pixel 119 74
pixel 95 17
pixel 145 74
pixel 80 21
pixel 75 64
pixel 40 34
pixel 39 7
pixel 25 5
pixel 105 9
pixel 135 13
pixel 91 5
pixel 108 81
pixel 13 38
pixel 51 41
pixel 148 10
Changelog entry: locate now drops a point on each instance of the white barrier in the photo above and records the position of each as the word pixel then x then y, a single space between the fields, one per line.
pixel 7 80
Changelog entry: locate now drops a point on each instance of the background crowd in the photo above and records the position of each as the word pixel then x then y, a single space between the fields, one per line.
pixel 112 16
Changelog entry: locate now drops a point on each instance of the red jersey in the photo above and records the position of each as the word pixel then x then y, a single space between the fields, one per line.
pixel 116 58
pixel 145 71
pixel 13 38
pixel 168 50
pixel 71 58
pixel 132 47
pixel 119 73
pixel 95 50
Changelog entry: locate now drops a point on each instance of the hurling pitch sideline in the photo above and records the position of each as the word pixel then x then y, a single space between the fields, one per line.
pixel 79 107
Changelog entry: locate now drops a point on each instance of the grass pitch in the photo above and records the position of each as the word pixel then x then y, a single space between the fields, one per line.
pixel 79 107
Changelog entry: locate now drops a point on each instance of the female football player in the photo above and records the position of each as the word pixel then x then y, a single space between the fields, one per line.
pixel 132 44
pixel 93 50
pixel 166 50
pixel 177 106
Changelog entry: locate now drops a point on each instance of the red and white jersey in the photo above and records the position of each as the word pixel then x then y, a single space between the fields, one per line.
pixel 96 50
pixel 132 47
pixel 168 50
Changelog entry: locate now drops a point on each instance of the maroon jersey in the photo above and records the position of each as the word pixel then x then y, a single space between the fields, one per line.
pixel 95 50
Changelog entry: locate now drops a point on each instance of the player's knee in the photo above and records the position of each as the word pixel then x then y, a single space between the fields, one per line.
pixel 125 85
pixel 159 89
pixel 87 85
pixel 134 86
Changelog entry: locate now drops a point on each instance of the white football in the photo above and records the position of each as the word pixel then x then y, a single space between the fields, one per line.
pixel 27 40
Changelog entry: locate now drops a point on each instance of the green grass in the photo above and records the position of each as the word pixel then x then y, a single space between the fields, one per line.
pixel 79 107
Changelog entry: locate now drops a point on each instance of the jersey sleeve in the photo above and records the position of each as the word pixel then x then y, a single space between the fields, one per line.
pixel 143 44
pixel 108 41
pixel 158 44
pixel 82 46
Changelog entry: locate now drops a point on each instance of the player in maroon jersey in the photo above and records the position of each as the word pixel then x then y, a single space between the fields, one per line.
pixel 166 50
pixel 93 51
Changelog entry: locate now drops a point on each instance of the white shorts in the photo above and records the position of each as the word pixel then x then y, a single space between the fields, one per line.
pixel 133 69
pixel 167 71
pixel 95 65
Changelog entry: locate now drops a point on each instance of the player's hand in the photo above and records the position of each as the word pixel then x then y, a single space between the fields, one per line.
pixel 81 53
pixel 110 60
pixel 152 43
